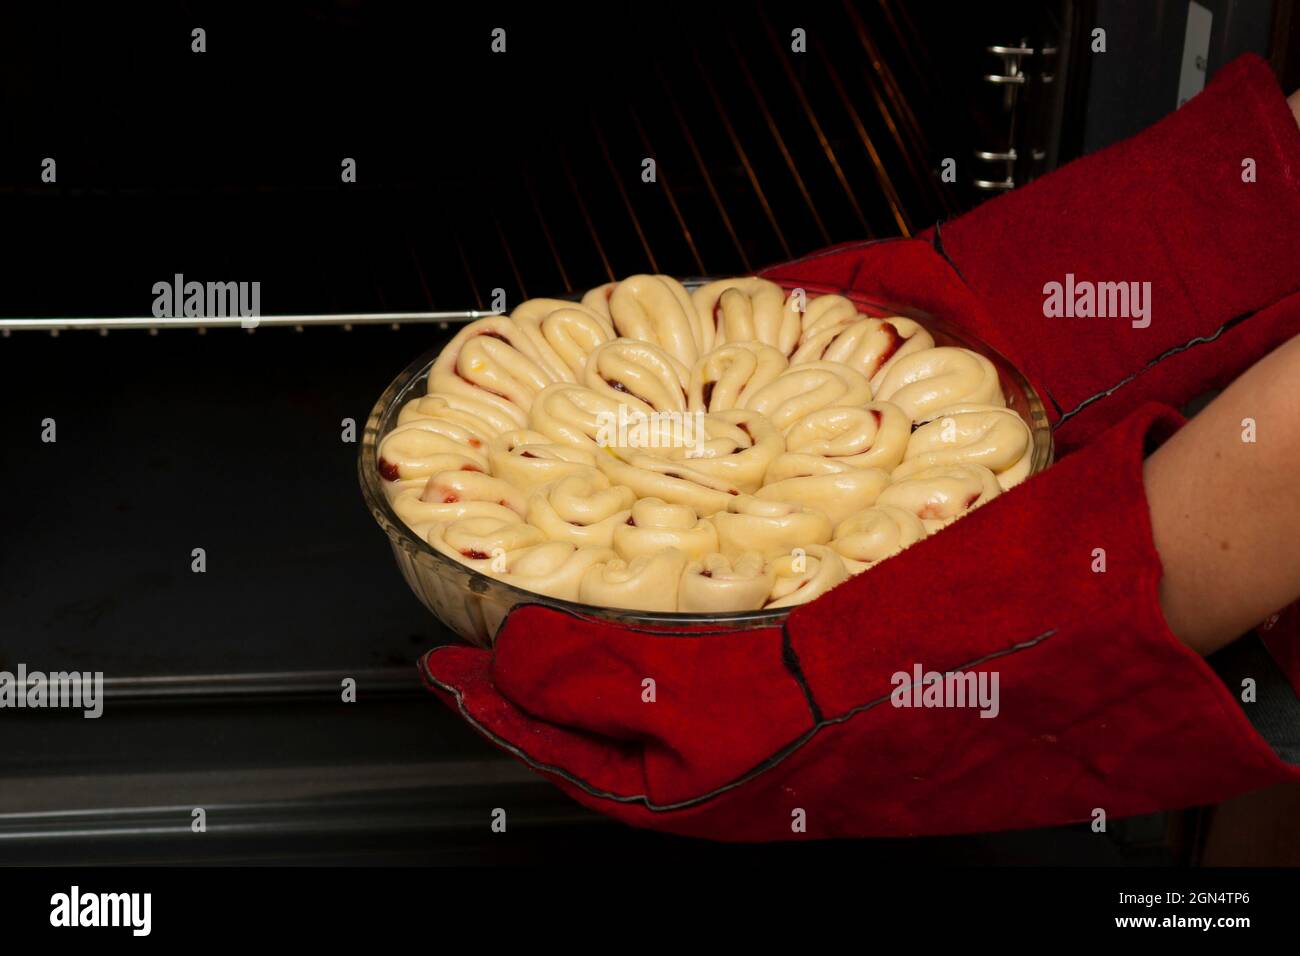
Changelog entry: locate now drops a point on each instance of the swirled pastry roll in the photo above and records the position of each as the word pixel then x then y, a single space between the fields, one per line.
pixel 554 568
pixel 423 517
pixel 451 495
pixel 485 417
pixel 925 381
pixel 478 422
pixel 771 528
pixel 734 447
pixel 426 446
pixel 840 437
pixel 820 313
pixel 729 449
pixel 582 509
pixel 484 543
pixel 806 575
pixel 835 495
pixel 565 332
pixel 655 525
pixel 639 374
pixel 727 376
pixel 658 309
pixel 676 482
pixel 577 416
pixel 802 389
pixel 867 345
pixel 987 435
pixel 869 537
pixel 647 583
pixel 747 309
pixel 597 300
pixel 715 583
pixel 527 459
pixel 493 361
pixel 941 494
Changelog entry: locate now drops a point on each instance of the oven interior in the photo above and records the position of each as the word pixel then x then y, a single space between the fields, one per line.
pixel 474 173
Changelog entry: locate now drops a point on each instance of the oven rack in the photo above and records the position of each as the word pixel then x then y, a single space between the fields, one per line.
pixel 299 323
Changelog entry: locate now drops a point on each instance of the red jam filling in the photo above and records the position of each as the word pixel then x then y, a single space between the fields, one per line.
pixel 895 342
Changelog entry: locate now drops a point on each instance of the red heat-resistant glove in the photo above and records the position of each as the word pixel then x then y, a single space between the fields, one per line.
pixel 771 733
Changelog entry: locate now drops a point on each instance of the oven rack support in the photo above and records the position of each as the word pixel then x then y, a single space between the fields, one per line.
pixel 299 323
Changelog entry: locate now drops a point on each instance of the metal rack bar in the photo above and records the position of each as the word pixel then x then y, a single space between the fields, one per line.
pixel 419 271
pixel 586 214
pixel 775 130
pixel 622 193
pixel 200 322
pixel 668 192
pixel 703 168
pixel 912 143
pixel 546 229
pixel 469 272
pixel 743 156
pixel 510 258
pixel 908 42
pixel 810 114
pixel 877 164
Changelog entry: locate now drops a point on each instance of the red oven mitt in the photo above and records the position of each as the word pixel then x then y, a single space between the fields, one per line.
pixel 1094 706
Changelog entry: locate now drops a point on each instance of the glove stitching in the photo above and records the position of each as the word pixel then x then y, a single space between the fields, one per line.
pixel 755 772
pixel 1168 353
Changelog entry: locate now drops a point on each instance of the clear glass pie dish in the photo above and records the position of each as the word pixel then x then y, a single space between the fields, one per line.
pixel 474 605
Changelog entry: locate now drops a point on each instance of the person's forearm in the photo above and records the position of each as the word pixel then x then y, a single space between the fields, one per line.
pixel 1225 511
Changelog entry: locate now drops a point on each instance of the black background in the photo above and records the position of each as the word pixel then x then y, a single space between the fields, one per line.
pixel 475 172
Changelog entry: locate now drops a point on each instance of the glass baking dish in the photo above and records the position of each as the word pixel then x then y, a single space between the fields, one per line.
pixel 473 604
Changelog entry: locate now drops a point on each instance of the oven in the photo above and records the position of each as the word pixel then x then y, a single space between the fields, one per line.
pixel 180 509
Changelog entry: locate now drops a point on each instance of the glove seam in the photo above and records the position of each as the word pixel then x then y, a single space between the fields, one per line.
pixel 936 243
pixel 1152 363
pixel 790 658
pixel 753 773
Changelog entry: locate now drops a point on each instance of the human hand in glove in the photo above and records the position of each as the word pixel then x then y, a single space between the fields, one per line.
pixel 1049 606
